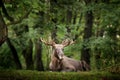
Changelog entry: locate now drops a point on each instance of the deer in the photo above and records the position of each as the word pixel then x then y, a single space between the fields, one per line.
pixel 60 62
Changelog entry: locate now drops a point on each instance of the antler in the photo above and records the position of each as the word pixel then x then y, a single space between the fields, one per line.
pixel 52 43
pixel 67 42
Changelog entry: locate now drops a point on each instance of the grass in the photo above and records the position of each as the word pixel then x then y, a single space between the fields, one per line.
pixel 37 75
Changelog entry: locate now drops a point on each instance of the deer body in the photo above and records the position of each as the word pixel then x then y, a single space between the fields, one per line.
pixel 60 62
pixel 69 64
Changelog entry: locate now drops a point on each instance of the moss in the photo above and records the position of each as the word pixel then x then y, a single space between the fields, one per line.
pixel 36 75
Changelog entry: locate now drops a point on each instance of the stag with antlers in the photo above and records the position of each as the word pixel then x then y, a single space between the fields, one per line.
pixel 60 62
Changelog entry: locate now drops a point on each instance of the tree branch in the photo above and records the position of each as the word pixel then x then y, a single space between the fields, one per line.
pixel 20 20
pixel 5 11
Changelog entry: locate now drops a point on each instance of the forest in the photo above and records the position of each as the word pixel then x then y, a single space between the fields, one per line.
pixel 92 25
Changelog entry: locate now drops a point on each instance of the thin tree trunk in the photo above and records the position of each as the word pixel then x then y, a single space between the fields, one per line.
pixel 68 22
pixel 38 52
pixel 55 28
pixel 77 29
pixel 14 53
pixel 54 34
pixel 75 18
pixel 27 53
pixel 87 33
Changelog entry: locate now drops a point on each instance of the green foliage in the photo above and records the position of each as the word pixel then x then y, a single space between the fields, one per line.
pixel 99 42
pixel 109 13
pixel 104 46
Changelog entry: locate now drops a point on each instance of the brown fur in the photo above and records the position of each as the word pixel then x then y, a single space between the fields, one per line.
pixel 68 64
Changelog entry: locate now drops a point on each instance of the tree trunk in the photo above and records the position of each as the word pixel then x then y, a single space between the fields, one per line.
pixel 87 33
pixel 75 17
pixel 5 11
pixel 3 30
pixel 38 52
pixel 54 20
pixel 77 28
pixel 54 34
pixel 14 53
pixel 68 22
pixel 4 34
pixel 27 53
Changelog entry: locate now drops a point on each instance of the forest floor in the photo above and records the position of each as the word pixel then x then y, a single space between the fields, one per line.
pixel 37 75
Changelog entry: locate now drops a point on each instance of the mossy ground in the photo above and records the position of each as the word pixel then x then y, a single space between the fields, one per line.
pixel 37 75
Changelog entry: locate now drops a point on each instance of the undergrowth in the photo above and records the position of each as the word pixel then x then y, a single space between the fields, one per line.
pixel 37 75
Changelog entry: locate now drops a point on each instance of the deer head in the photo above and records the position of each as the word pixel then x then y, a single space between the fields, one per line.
pixel 58 48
